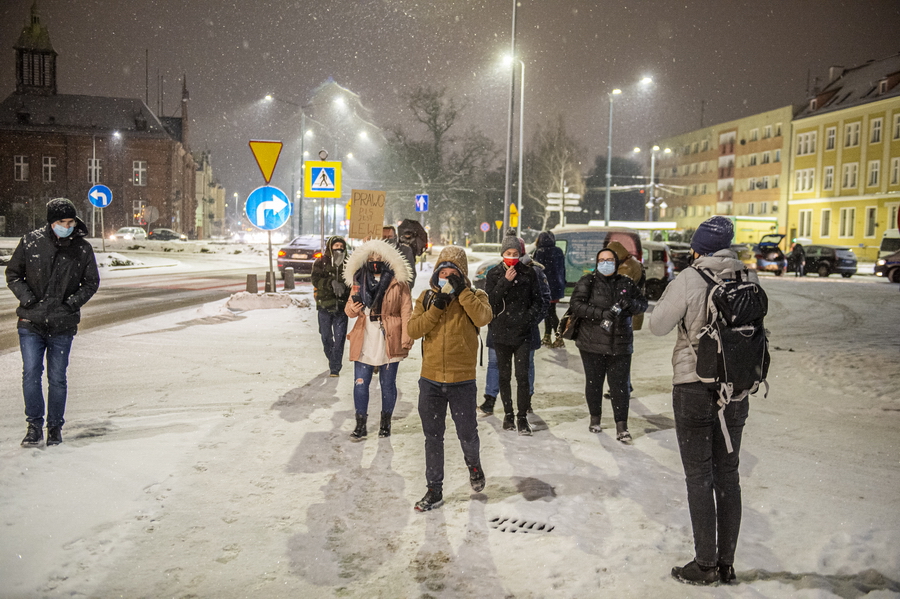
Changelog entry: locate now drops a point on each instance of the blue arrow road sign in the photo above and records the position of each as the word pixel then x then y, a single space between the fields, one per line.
pixel 422 202
pixel 100 196
pixel 268 208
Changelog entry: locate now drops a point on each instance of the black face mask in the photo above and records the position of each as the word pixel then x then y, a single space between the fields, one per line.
pixel 376 267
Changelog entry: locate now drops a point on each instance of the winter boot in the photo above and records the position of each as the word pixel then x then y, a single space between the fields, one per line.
pixel 434 498
pixel 523 426
pixel 385 429
pixel 622 433
pixel 694 573
pixel 487 408
pixel 54 435
pixel 476 478
pixel 33 436
pixel 546 342
pixel 594 427
pixel 509 421
pixel 726 573
pixel 559 343
pixel 359 432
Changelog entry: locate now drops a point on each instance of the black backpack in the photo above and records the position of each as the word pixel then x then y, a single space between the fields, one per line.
pixel 733 351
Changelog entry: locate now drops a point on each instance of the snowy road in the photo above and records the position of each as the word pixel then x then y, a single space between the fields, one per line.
pixel 207 455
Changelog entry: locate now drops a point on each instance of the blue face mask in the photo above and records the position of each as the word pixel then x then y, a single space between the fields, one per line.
pixel 62 231
pixel 606 268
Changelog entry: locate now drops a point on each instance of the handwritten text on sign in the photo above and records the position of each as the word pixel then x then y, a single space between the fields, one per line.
pixel 367 215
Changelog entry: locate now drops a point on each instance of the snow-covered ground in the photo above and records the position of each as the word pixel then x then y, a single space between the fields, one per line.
pixel 207 454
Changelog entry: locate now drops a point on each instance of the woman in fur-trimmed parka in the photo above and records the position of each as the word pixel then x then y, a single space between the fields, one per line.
pixel 381 303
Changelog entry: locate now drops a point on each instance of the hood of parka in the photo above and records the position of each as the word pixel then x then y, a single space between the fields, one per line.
pixel 389 254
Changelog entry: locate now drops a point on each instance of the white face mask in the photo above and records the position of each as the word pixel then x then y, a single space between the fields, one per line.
pixel 606 268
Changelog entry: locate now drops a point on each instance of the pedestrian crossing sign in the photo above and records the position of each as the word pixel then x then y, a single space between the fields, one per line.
pixel 322 179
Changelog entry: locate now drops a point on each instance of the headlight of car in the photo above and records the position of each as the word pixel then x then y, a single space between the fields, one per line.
pixel 880 262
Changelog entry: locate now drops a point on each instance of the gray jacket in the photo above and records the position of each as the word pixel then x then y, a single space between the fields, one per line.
pixel 685 299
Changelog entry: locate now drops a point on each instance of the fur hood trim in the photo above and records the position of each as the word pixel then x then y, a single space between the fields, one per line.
pixel 395 261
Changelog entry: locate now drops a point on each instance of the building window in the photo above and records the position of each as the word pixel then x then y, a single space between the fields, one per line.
pixel 871 220
pixel 777 155
pixel 875 136
pixel 705 145
pixel 848 222
pixel 140 172
pixel 830 136
pixel 766 157
pixel 751 183
pixel 828 178
pixel 704 189
pixel 752 160
pixel 694 147
pixel 850 173
pixel 874 170
pixel 777 129
pixel 94 169
pixel 851 135
pixel 825 226
pixel 775 180
pixel 49 169
pixel 895 171
pixel 21 168
pixel 703 167
pixel 767 132
pixel 754 134
pixel 892 212
pixel 897 126
pixel 750 208
pixel 804 180
pixel 764 184
pixel 804 227
pixel 763 207
pixel 806 143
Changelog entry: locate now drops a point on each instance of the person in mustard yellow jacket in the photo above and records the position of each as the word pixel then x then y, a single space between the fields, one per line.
pixel 447 317
pixel 381 303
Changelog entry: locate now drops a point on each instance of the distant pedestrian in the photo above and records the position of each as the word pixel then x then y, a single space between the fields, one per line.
pixel 389 234
pixel 797 260
pixel 554 262
pixel 447 317
pixel 711 471
pixel 605 303
pixel 514 291
pixel 331 295
pixel 381 303
pixel 52 273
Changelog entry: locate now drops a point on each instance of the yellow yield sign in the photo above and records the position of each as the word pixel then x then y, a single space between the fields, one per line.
pixel 499 224
pixel 266 154
pixel 513 216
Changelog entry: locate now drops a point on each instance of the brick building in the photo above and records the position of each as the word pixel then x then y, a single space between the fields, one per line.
pixel 58 145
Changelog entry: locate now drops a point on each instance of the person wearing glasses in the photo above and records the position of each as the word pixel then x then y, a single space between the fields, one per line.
pixel 604 302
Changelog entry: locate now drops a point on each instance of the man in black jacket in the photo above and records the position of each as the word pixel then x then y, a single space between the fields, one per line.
pixel 52 273
pixel 331 296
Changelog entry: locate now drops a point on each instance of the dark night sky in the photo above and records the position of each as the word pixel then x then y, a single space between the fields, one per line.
pixel 740 57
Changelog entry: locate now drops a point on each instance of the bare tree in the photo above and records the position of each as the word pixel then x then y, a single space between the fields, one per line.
pixel 553 164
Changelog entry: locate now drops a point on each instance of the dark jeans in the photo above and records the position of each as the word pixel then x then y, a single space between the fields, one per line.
pixel 492 377
pixel 711 473
pixel 551 321
pixel 333 329
pixel 616 370
pixel 433 401
pixel 56 348
pixel 387 379
pixel 505 355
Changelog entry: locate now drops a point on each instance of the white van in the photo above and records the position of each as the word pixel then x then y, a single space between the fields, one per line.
pixel 658 267
pixel 890 243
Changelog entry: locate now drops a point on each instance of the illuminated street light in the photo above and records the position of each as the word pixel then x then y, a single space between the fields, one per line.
pixel 652 199
pixel 611 95
pixel 508 60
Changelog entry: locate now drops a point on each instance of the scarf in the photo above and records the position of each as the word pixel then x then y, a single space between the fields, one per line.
pixel 371 291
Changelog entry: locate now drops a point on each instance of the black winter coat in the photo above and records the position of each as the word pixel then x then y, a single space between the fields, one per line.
pixel 324 273
pixel 517 305
pixel 591 300
pixel 52 278
pixel 554 261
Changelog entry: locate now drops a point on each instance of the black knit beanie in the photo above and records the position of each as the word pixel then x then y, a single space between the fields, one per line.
pixel 60 209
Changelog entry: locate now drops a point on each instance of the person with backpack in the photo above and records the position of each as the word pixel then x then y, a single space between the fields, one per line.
pixel 381 303
pixel 553 260
pixel 605 303
pixel 447 317
pixel 710 443
pixel 331 297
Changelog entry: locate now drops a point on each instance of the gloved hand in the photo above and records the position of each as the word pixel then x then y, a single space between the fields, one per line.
pixel 457 281
pixel 339 288
pixel 441 300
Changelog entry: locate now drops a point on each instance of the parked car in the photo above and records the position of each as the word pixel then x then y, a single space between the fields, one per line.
pixel 827 259
pixel 658 268
pixel 889 267
pixel 581 243
pixel 300 254
pixel 166 235
pixel 680 254
pixel 481 270
pixel 770 257
pixel 129 233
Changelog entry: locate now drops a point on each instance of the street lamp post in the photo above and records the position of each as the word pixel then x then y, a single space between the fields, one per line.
pixel 521 139
pixel 611 95
pixel 512 99
pixel 651 187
